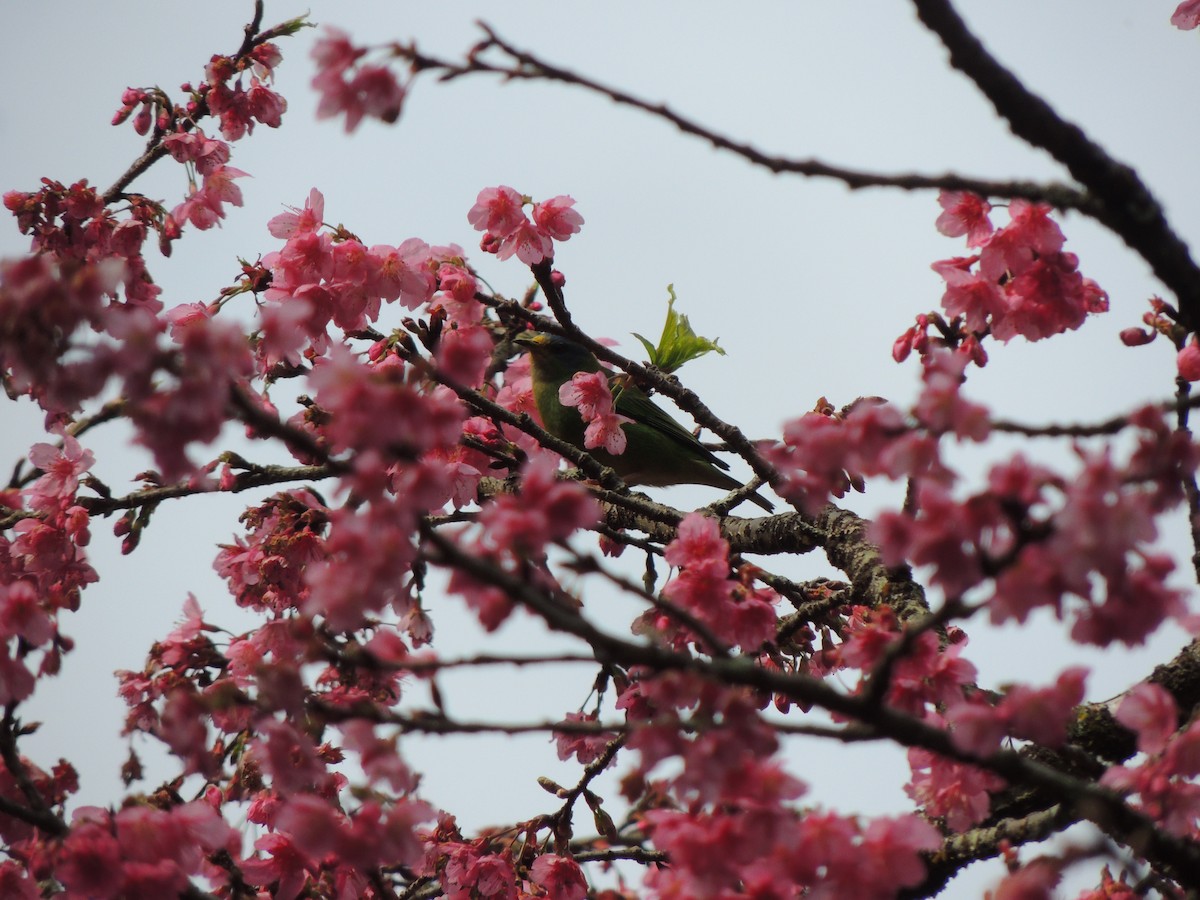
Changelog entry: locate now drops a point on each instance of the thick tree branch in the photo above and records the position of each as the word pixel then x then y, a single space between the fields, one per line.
pixel 961 850
pixel 1116 195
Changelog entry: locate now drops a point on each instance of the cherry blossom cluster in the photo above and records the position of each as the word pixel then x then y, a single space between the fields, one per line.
pixel 1036 538
pixel 43 567
pixel 926 675
pixel 1080 545
pixel 281 776
pixel 1019 282
pixel 590 394
pixel 485 868
pixel 730 825
pixel 85 276
pixel 825 453
pixel 83 308
pixel 349 86
pixel 514 531
pixel 316 281
pixel 732 609
pixel 140 851
pixel 922 680
pixel 322 278
pixel 1164 782
pixel 284 568
pixel 237 106
pixel 499 212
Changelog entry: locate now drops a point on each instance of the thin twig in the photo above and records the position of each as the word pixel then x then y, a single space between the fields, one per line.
pixel 531 67
pixel 38 813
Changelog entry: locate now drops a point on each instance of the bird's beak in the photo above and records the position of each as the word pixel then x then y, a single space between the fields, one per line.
pixel 531 338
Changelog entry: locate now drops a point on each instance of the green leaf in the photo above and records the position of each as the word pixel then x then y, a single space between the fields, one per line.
pixel 679 343
pixel 292 26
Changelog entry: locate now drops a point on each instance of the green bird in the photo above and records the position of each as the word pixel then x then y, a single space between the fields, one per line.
pixel 658 450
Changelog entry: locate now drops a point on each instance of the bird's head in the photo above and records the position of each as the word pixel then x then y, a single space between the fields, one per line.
pixel 552 353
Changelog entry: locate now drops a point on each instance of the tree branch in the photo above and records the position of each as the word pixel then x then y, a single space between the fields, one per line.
pixel 1116 195
pixel 1082 798
pixel 530 67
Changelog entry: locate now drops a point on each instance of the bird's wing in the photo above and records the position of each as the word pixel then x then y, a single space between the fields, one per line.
pixel 634 403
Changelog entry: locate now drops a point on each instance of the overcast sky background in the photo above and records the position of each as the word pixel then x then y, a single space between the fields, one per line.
pixel 805 283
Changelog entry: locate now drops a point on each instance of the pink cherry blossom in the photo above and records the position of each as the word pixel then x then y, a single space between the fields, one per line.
pixel 16 681
pixel 61 469
pixel 951 790
pixel 373 408
pixel 1037 714
pixel 285 865
pixel 941 408
pixel 207 154
pixel 465 353
pixel 22 615
pixel 1035 881
pixel 457 288
pixel 606 432
pixel 358 91
pixel 310 218
pixel 380 760
pixel 491 605
pixel 1186 15
pixel 545 510
pixel 586 748
pixel 204 207
pixel 556 217
pixel 1164 783
pixel 1044 714
pixel 559 876
pixel 704 588
pixel 964 214
pixel 1149 711
pixel 334 50
pixel 403 272
pixel 42 303
pixel 366 567
pixel 90 862
pixel 589 392
pixel 469 872
pixel 528 243
pixel 212 356
pixel 948 534
pixel 264 105
pixel 1188 360
pixel 969 294
pixel 498 210
pixel 1024 284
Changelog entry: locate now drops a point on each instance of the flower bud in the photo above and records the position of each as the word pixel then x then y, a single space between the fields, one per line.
pixel 1135 337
